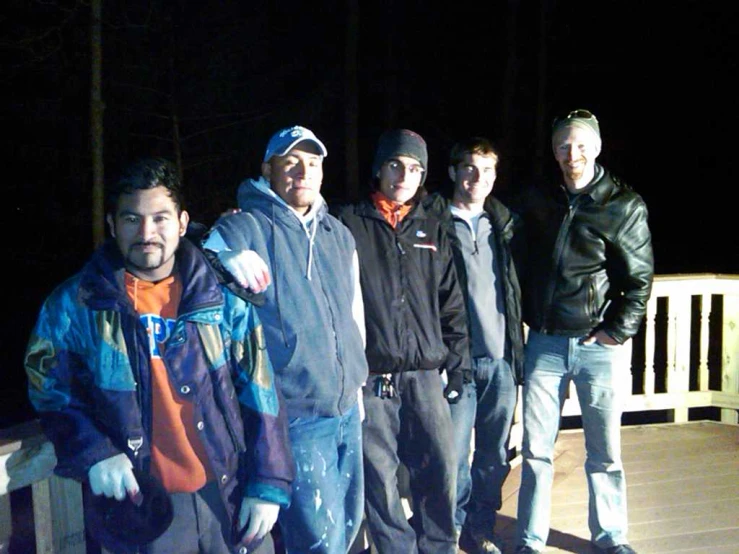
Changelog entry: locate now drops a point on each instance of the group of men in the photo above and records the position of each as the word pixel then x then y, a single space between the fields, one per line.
pixel 285 366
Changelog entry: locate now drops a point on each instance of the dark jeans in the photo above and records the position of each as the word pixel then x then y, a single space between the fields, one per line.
pixel 413 427
pixel 199 526
pixel 488 404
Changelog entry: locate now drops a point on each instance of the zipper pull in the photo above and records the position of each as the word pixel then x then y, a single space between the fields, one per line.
pixel 135 443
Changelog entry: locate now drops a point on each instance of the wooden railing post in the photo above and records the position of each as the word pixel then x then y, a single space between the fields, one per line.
pixel 27 459
pixel 58 518
pixel 6 524
pixel 678 350
pixel 704 338
pixel 730 354
pixel 649 345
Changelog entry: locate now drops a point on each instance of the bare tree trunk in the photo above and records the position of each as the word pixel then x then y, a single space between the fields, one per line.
pixel 351 107
pixel 510 78
pixel 392 99
pixel 96 125
pixel 542 130
pixel 176 138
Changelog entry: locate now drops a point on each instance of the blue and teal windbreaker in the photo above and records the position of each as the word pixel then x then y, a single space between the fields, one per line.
pixel 89 378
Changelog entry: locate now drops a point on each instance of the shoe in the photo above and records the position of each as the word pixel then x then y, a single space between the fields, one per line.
pixel 525 549
pixel 480 544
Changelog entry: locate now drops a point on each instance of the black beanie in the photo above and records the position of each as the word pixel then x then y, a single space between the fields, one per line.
pixel 401 142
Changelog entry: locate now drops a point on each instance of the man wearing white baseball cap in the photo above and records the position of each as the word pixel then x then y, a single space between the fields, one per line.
pixel 313 320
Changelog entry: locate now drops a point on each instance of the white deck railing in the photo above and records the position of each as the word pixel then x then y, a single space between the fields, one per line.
pixel 686 356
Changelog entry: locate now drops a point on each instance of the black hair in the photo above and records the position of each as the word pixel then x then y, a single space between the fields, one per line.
pixel 144 174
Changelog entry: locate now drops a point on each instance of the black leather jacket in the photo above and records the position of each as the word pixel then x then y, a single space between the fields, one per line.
pixel 589 263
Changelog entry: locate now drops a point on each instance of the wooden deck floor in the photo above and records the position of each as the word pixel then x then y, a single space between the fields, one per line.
pixel 683 490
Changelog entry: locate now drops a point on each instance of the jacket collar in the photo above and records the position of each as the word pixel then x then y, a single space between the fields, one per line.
pixel 102 279
pixel 499 214
pixel 256 192
pixel 600 188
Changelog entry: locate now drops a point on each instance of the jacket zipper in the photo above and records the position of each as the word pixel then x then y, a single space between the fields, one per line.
pixel 564 230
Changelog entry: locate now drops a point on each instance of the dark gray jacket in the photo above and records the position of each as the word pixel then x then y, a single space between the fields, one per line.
pixel 414 308
pixel 507 247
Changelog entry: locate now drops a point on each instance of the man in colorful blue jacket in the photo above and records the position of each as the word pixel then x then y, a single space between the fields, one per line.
pixel 142 364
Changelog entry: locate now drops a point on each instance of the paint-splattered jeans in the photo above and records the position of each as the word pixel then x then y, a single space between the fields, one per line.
pixel 328 493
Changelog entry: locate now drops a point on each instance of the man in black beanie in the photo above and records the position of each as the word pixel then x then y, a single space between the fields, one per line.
pixel 416 332
pixel 585 290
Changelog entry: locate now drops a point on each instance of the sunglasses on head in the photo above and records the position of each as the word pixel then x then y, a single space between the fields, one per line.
pixel 575 114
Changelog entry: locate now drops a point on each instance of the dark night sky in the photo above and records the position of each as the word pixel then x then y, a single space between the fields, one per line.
pixel 660 76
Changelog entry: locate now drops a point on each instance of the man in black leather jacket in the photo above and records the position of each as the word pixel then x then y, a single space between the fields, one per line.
pixel 586 285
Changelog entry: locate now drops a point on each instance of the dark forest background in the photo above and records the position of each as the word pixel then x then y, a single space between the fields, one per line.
pixel 207 83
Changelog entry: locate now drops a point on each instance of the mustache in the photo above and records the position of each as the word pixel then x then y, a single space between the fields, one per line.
pixel 147 243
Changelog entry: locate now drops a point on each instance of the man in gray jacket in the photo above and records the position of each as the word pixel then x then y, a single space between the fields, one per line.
pixel 314 328
pixel 484 235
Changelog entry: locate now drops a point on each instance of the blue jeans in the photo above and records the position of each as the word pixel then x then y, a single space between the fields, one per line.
pixel 487 404
pixel 602 380
pixel 327 504
pixel 413 427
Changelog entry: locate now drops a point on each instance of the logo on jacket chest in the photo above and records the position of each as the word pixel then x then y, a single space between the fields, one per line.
pixel 158 329
pixel 424 244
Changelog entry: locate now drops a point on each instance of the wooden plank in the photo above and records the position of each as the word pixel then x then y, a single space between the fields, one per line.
pixel 59 521
pixel 19 436
pixel 646 514
pixel 6 524
pixel 646 523
pixel 683 490
pixel 688 542
pixel 23 466
pixel 675 468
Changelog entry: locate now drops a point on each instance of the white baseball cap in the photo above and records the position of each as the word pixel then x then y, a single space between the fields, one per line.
pixel 283 141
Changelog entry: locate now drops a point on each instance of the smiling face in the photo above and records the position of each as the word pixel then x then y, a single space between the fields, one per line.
pixel 576 150
pixel 473 178
pixel 296 177
pixel 147 227
pixel 400 178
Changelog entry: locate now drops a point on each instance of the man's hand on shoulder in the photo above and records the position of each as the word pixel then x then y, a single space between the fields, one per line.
pixel 247 268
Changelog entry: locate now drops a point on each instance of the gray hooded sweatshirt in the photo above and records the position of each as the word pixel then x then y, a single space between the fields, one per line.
pixel 309 316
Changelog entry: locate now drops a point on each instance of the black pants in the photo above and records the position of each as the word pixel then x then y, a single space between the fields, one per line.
pixel 412 427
